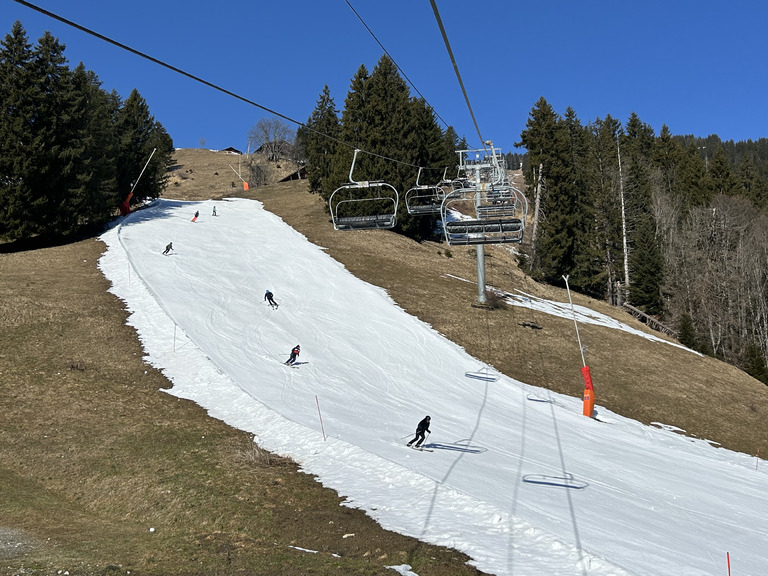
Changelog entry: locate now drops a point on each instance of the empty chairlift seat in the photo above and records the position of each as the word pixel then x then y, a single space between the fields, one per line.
pixel 363 205
pixel 499 216
pixel 425 199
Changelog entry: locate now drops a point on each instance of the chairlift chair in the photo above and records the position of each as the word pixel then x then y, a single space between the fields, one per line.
pixel 363 205
pixel 425 199
pixel 484 214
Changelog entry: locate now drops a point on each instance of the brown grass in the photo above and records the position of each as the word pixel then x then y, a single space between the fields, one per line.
pixel 92 456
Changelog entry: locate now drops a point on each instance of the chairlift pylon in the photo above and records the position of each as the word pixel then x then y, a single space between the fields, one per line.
pixel 363 205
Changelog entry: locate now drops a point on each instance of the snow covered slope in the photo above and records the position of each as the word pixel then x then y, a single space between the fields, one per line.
pixel 518 478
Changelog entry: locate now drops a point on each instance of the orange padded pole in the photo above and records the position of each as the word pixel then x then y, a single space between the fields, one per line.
pixel 589 393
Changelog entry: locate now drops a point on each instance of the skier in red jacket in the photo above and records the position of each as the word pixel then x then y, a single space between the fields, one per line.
pixel 294 355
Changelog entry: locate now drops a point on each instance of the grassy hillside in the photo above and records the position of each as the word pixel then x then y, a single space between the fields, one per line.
pixel 92 455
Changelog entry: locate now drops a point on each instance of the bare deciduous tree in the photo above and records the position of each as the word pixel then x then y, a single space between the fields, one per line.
pixel 272 137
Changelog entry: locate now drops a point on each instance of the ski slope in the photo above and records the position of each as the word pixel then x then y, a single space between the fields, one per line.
pixel 518 479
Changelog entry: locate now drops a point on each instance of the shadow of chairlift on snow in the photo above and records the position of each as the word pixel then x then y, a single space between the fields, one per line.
pixel 458 446
pixel 484 373
pixel 566 481
pixel 534 398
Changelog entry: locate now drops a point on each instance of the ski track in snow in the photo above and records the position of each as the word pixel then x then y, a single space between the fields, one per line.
pixel 518 479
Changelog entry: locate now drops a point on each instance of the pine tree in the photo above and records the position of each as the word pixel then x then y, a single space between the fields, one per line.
pixel 137 135
pixel 424 145
pixel 647 269
pixel 586 273
pixel 693 183
pixel 450 143
pixel 389 113
pixel 751 185
pixel 560 205
pixel 319 139
pixel 93 194
pixel 354 130
pixel 646 264
pixel 17 98
pixel 56 149
pixel 637 151
pixel 721 175
pixel 539 138
pixel 603 181
pixel 754 363
pixel 687 332
pixel 667 154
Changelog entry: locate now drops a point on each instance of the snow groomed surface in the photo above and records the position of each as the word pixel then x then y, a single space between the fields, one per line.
pixel 518 479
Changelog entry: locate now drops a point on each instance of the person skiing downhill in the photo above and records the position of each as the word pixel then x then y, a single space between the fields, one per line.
pixel 269 297
pixel 420 430
pixel 168 248
pixel 294 355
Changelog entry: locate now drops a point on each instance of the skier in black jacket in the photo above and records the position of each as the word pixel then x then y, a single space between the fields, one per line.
pixel 270 298
pixel 420 430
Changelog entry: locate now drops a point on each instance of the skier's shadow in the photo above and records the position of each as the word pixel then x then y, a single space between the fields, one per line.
pixel 298 363
pixel 459 446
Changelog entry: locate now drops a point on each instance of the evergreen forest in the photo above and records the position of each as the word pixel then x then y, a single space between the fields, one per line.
pixel 674 226
pixel 70 152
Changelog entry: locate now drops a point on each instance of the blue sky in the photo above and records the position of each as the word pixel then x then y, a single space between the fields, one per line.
pixel 696 66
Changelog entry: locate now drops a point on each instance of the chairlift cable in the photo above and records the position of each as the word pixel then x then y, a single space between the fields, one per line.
pixel 202 80
pixel 394 62
pixel 456 68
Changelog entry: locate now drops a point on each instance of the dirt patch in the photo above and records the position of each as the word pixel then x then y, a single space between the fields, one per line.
pixel 14 543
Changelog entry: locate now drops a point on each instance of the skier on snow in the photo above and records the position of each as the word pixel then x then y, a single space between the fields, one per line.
pixel 269 297
pixel 294 355
pixel 168 248
pixel 420 429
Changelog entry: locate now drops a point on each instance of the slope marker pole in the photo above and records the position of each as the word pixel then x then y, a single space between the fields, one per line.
pixel 321 417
